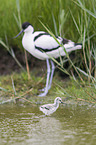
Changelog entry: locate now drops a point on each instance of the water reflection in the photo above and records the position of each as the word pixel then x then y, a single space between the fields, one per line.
pixel 46 130
pixel 68 125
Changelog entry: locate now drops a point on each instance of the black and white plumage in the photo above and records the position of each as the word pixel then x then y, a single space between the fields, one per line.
pixel 48 109
pixel 43 46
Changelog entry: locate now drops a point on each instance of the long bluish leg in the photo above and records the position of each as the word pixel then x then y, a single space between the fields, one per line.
pixel 52 73
pixel 47 80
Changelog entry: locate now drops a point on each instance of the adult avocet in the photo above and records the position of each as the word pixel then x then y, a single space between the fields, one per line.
pixel 48 109
pixel 43 46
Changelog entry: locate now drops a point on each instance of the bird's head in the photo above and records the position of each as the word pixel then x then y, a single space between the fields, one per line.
pixel 58 100
pixel 26 27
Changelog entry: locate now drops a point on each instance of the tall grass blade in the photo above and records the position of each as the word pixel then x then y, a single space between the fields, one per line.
pixel 16 20
pixel 19 23
pixel 3 89
pixel 75 22
pixel 86 74
pixel 83 7
pixel 13 86
pixel 55 25
pixel 19 16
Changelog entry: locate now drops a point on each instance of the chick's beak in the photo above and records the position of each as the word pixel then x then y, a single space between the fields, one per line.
pixel 18 34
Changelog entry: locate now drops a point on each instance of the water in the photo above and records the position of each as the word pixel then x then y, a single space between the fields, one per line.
pixel 69 125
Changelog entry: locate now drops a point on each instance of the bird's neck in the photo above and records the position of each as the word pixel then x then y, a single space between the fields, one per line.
pixel 56 104
pixel 29 32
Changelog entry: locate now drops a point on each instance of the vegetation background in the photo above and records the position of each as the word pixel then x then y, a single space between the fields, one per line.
pixel 71 19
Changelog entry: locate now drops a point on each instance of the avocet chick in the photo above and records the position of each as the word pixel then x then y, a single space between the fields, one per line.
pixel 48 109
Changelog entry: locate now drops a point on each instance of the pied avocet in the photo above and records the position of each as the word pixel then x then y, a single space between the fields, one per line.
pixel 43 46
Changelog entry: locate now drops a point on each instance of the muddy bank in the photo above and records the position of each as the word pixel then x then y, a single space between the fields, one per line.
pixel 9 65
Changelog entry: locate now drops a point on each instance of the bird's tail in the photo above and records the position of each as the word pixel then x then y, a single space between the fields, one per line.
pixel 73 47
pixel 78 45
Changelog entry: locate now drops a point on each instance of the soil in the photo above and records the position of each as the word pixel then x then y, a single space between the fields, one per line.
pixel 9 65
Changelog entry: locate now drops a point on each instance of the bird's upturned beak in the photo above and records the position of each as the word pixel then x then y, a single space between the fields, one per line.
pixel 18 34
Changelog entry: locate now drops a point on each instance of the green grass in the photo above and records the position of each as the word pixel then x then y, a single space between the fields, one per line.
pixel 18 86
pixel 32 10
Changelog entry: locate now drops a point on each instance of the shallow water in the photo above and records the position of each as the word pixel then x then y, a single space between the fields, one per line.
pixel 69 125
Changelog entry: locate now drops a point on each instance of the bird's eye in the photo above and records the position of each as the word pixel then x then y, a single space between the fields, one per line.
pixel 26 26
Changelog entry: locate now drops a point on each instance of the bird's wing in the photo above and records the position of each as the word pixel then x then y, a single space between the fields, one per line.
pixel 47 107
pixel 45 41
